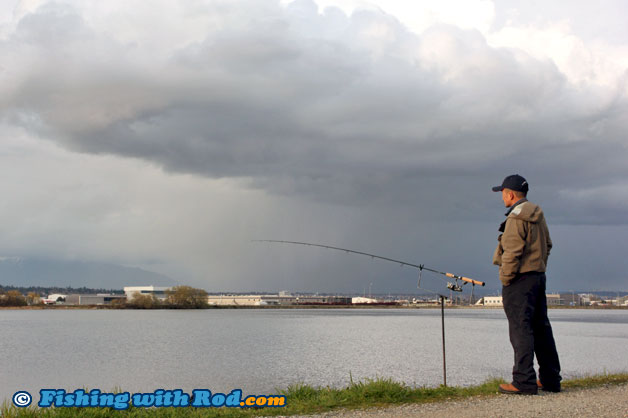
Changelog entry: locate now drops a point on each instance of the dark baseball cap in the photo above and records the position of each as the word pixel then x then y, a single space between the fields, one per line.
pixel 514 182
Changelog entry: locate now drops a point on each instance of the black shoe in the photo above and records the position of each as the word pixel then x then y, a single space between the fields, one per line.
pixel 554 389
pixel 510 389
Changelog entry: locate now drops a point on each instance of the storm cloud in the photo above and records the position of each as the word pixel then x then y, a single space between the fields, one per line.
pixel 356 112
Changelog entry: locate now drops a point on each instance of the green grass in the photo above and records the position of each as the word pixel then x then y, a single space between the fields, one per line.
pixel 303 399
pixel 595 380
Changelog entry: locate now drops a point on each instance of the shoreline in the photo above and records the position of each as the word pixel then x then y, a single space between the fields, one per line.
pixel 385 397
pixel 609 400
pixel 304 306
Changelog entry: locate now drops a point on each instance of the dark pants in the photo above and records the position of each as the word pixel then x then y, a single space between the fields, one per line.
pixel 531 333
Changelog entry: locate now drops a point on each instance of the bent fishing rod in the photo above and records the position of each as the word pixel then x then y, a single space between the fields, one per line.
pixel 452 286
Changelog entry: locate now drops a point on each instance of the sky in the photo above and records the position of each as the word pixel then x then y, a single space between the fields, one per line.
pixel 167 135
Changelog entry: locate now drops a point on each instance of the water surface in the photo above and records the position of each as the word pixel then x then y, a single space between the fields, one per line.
pixel 261 350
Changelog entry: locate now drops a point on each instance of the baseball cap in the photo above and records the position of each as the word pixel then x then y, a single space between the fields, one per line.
pixel 514 182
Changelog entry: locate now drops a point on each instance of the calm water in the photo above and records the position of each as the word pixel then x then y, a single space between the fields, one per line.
pixel 261 350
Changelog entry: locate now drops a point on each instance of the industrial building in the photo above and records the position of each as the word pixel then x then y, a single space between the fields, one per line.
pixel 97 299
pixel 158 292
pixel 275 300
pixel 361 300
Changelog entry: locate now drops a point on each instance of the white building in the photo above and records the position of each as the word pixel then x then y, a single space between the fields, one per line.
pixel 159 292
pixel 236 300
pixel 490 301
pixel 279 299
pixel 54 298
pixel 360 299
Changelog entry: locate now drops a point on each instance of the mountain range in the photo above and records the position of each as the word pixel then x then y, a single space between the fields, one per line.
pixel 16 271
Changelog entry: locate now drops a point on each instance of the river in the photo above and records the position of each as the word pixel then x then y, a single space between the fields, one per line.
pixel 260 350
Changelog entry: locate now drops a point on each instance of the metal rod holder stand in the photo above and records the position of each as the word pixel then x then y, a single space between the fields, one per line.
pixel 442 316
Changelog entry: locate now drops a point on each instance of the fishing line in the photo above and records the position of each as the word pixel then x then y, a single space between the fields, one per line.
pixel 454 286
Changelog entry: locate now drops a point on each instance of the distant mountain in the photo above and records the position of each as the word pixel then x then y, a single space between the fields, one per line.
pixel 15 271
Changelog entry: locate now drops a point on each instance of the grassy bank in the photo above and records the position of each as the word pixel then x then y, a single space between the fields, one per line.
pixel 302 399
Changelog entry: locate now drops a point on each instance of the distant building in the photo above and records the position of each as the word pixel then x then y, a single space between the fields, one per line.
pixel 159 292
pixel 589 299
pixel 429 302
pixel 570 299
pixel 490 301
pixel 235 300
pixel 54 299
pixel 98 299
pixel 275 300
pixel 325 300
pixel 554 299
pixel 360 299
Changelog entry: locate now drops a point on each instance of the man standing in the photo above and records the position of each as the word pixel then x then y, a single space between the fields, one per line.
pixel 521 254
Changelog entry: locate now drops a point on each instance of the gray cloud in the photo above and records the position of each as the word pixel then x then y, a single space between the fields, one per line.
pixel 384 132
pixel 344 109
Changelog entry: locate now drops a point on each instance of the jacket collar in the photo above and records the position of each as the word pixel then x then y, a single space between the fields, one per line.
pixel 517 203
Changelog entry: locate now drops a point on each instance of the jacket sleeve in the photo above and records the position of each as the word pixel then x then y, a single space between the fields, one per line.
pixel 549 242
pixel 513 244
pixel 497 255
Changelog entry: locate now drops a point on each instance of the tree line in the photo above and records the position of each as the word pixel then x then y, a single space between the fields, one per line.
pixel 47 290
pixel 178 297
pixel 16 298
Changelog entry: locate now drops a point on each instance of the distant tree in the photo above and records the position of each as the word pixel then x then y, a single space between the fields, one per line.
pixel 186 297
pixel 140 301
pixel 119 303
pixel 33 298
pixel 12 298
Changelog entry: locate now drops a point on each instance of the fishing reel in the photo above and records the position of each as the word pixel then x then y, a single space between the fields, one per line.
pixel 454 286
pixel 451 286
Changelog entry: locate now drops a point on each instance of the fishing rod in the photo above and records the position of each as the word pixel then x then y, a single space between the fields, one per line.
pixel 451 286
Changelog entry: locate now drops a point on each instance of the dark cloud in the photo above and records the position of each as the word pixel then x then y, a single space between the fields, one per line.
pixel 337 108
pixel 402 132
